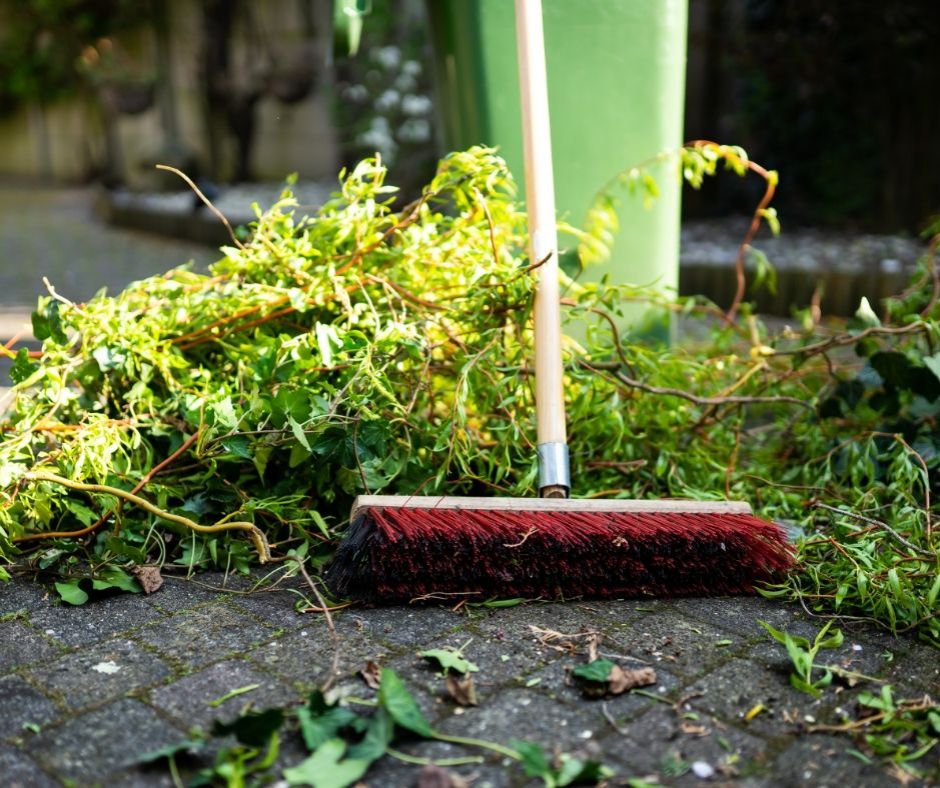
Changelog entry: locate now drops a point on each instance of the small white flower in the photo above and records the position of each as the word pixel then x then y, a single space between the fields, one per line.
pixel 416 105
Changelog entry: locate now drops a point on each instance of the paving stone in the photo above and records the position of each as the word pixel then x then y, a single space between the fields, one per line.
pixel 661 736
pixel 178 593
pixel 21 646
pixel 738 686
pixel 304 657
pixel 109 740
pixel 568 618
pixel 188 700
pixel 18 770
pixel 914 673
pixel 530 715
pixel 24 595
pixel 488 653
pixel 204 635
pixel 100 673
pixel 684 647
pixel 740 614
pixel 404 626
pixel 22 705
pixel 822 762
pixel 144 776
pixel 78 625
pixel 275 608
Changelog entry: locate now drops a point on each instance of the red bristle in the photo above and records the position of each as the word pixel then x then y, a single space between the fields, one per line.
pixel 398 553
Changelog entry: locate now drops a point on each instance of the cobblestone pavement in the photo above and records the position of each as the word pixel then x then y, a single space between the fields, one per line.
pixel 86 690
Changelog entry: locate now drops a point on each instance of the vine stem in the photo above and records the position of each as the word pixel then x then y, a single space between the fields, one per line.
pixel 418 761
pixel 256 534
pixel 104 518
pixel 486 745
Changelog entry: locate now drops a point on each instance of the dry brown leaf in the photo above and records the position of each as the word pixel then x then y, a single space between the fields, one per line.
pixel 432 776
pixel 149 578
pixel 693 730
pixel 370 674
pixel 621 680
pixel 461 689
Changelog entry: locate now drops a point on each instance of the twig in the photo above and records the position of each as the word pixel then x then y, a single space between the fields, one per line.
pixel 219 215
pixel 325 609
pixel 613 723
pixel 880 524
pixel 671 392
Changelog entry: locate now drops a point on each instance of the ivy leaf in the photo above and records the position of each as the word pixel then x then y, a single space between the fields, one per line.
pixel 71 593
pixel 378 736
pixel 401 705
pixel 253 729
pixel 320 721
pixel 22 367
pixel 115 578
pixel 326 767
pixel 533 758
pixel 450 659
pixel 47 323
pixel 238 445
pixel 598 670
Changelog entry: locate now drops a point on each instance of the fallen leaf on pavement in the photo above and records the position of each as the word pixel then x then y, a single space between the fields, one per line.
pixel 620 680
pixel 370 674
pixel 461 689
pixel 149 577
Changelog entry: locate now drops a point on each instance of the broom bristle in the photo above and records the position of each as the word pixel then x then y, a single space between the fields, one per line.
pixel 397 553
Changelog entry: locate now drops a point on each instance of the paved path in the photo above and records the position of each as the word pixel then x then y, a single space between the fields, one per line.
pixel 173 652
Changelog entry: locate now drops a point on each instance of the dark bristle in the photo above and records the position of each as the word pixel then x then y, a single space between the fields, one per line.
pixel 394 554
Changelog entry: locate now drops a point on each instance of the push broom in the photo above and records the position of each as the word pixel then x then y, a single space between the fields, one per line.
pixel 397 547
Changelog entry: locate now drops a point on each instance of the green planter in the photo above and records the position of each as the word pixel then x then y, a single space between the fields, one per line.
pixel 616 71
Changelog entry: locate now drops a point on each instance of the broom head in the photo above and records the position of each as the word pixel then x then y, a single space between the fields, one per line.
pixel 401 548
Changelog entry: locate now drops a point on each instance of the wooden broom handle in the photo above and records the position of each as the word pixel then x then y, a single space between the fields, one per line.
pixel 543 238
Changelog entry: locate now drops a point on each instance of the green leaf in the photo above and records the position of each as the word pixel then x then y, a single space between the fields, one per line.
pixel 575 771
pixel 326 767
pixel 253 729
pixel 534 761
pixel 320 721
pixel 400 705
pixel 933 364
pixel 225 416
pixel 22 367
pixel 378 736
pixel 449 659
pixel 71 593
pixel 239 445
pixel 188 745
pixel 116 578
pixel 804 686
pixel 47 323
pixel 598 670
